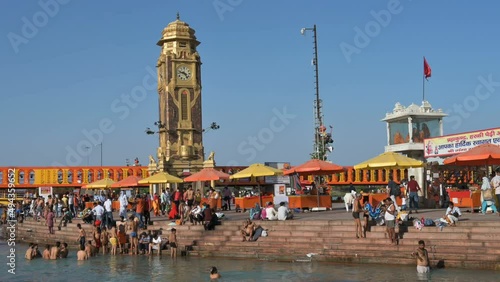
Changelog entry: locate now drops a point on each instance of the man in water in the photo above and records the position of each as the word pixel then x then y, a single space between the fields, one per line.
pixel 81 235
pixel 46 252
pixel 29 252
pixel 63 252
pixel 422 258
pixel 214 273
pixel 134 240
pixel 172 240
pixel 82 254
pixel 54 251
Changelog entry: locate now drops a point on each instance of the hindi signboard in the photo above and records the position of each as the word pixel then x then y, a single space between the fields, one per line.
pixel 282 179
pixel 459 143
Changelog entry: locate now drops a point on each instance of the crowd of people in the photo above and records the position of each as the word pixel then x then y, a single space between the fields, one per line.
pixel 59 250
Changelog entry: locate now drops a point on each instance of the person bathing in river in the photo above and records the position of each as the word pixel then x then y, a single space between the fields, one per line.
pixel 422 258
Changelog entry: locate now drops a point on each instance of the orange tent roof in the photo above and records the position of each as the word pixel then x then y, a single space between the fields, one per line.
pixel 207 174
pixel 131 181
pixel 315 167
pixel 486 154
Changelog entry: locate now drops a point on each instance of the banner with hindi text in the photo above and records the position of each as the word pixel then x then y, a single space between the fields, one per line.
pixel 459 143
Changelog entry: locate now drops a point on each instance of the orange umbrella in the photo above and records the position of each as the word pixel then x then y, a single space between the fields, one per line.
pixel 131 181
pixel 207 174
pixel 486 154
pixel 315 167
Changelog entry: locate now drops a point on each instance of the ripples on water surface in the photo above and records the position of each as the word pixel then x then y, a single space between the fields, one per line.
pixel 144 268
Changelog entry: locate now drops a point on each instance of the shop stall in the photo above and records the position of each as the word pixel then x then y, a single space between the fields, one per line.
pixel 375 198
pixel 212 202
pixel 249 202
pixel 465 198
pixel 309 201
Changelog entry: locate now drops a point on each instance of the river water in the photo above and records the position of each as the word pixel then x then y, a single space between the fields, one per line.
pixel 125 268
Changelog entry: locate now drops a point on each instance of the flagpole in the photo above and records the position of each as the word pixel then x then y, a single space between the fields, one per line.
pixel 423 85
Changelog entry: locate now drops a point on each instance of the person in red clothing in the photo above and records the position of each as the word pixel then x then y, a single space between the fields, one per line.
pixel 177 199
pixel 413 189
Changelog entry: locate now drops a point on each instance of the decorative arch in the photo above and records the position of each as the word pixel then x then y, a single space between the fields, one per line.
pixel 111 174
pixel 99 174
pixel 79 176
pixel 21 177
pixel 31 177
pixel 59 176
pixel 91 176
pixel 70 176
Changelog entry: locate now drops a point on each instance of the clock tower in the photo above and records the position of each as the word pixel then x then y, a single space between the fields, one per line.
pixel 179 90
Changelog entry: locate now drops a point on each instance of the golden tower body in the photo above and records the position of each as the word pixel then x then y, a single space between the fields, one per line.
pixel 179 89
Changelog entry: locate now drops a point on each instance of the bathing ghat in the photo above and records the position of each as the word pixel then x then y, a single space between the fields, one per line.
pixel 473 244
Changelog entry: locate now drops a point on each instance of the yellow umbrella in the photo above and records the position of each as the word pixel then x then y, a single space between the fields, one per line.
pixel 257 170
pixel 160 178
pixel 99 184
pixel 389 159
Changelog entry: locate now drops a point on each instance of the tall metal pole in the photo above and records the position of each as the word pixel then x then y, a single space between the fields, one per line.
pixel 423 84
pixel 319 142
pixel 101 153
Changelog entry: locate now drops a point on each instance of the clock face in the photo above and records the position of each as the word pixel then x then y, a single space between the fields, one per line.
pixel 183 73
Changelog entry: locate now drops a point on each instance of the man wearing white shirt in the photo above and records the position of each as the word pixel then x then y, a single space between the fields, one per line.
pixel 495 184
pixel 452 214
pixel 98 211
pixel 163 201
pixel 108 213
pixel 123 205
pixel 155 244
pixel 271 213
pixel 283 212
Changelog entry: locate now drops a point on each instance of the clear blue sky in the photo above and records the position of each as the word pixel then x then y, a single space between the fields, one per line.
pixel 63 77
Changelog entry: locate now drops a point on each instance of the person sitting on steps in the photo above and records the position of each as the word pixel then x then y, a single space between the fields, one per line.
pixel 247 230
pixel 452 214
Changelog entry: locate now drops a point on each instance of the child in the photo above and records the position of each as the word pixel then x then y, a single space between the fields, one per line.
pixel 50 221
pixel 172 239
pixel 403 202
pixel 114 243
pixel 104 240
pixel 214 273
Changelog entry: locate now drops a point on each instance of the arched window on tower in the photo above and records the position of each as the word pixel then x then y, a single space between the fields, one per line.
pixel 184 105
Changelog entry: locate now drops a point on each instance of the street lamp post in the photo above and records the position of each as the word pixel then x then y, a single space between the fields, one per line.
pixel 87 148
pixel 100 145
pixel 319 144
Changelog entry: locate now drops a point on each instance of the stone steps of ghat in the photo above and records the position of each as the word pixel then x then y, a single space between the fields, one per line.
pixel 360 245
pixel 463 246
pixel 314 232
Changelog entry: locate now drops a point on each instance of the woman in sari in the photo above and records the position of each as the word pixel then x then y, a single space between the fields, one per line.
pixel 156 205
pixel 255 211
pixel 173 212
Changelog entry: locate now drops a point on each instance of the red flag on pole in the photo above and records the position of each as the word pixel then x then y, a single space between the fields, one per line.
pixel 427 69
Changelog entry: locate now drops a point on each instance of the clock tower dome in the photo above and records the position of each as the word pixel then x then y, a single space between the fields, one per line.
pixel 179 89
